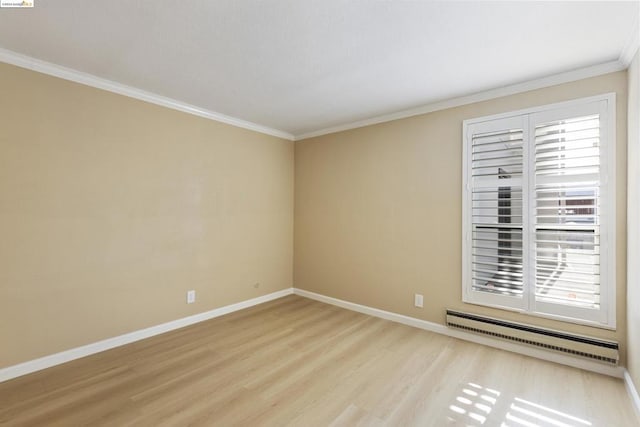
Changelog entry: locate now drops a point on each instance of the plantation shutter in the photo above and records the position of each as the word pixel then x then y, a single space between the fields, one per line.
pixel 539 211
pixel 496 183
pixel 567 200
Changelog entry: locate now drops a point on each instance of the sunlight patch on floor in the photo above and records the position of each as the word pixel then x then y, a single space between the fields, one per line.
pixel 475 404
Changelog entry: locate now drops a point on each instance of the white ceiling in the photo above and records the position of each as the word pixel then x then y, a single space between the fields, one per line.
pixel 302 66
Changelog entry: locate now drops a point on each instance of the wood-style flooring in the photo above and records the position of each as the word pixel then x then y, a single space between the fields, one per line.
pixel 299 362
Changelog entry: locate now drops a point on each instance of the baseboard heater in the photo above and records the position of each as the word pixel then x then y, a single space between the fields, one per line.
pixel 591 348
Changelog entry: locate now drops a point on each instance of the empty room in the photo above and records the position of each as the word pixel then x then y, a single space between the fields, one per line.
pixel 319 213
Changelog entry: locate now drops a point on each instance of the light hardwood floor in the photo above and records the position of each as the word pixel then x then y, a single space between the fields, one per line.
pixel 299 362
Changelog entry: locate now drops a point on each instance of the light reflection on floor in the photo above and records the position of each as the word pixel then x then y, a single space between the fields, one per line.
pixel 473 404
pixel 476 405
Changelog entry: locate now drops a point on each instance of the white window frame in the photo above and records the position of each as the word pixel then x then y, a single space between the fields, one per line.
pixel 606 316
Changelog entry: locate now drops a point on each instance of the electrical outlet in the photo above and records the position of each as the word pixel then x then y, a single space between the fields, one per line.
pixel 418 300
pixel 191 297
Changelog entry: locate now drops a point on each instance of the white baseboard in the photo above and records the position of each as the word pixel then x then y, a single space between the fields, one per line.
pixel 89 349
pixel 633 392
pixel 588 365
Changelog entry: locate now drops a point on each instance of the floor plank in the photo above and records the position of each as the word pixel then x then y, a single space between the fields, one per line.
pixel 299 362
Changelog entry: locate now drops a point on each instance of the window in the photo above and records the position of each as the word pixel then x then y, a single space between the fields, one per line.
pixel 539 211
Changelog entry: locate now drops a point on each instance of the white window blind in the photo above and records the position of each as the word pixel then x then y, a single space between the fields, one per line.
pixel 538 210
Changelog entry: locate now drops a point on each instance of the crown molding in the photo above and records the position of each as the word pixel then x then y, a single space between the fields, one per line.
pixel 556 79
pixel 30 63
pixel 632 45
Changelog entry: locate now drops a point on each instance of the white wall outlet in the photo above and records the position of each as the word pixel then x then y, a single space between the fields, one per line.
pixel 418 300
pixel 191 297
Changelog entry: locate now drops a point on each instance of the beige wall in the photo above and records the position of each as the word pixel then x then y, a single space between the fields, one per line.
pixel 633 294
pixel 378 209
pixel 112 208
